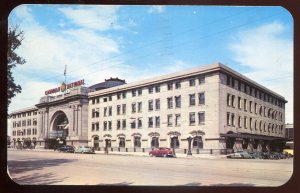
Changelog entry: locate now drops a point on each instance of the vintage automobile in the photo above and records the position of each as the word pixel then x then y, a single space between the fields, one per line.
pixel 66 148
pixel 161 152
pixel 84 149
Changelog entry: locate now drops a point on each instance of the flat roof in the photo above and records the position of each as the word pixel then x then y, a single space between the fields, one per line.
pixel 182 74
pixel 23 110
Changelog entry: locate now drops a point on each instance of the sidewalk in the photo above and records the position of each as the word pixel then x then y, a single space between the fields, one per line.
pixel 178 155
pixel 145 154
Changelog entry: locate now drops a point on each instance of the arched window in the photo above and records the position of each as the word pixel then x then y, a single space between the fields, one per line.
pixel 197 142
pixel 154 142
pixel 122 142
pixel 174 142
pixel 137 141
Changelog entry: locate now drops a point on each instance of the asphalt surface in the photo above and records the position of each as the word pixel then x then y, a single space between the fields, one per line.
pixel 33 167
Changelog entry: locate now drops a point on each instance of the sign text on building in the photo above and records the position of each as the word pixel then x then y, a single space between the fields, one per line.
pixel 64 86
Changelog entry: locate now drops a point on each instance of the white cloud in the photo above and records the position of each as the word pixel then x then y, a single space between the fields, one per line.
pixel 156 9
pixel 93 17
pixel 270 58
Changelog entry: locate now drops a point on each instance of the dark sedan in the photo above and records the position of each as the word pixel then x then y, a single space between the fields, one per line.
pixel 161 152
pixel 66 148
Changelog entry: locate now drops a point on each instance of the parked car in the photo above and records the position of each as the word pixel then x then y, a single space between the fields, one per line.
pixel 161 152
pixel 84 149
pixel 240 155
pixel 256 155
pixel 66 148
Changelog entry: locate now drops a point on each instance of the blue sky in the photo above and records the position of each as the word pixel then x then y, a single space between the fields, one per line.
pixel 139 42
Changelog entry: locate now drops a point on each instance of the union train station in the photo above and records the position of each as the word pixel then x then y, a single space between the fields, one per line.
pixel 217 107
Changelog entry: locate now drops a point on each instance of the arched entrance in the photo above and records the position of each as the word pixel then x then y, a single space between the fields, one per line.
pixel 96 142
pixel 59 132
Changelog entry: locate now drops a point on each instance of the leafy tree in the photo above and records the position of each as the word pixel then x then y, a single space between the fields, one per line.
pixel 15 38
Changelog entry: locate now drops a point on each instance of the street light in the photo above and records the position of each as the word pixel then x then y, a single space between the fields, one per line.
pixel 189 141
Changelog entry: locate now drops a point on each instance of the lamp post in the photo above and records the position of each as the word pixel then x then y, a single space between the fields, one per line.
pixel 189 144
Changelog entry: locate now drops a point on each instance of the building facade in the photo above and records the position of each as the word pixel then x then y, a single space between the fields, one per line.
pixel 215 106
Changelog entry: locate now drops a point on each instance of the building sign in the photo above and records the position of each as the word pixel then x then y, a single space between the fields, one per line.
pixel 56 134
pixel 64 86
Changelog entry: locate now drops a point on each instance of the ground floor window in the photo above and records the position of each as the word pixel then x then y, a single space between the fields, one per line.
pixel 107 143
pixel 174 142
pixel 96 142
pixel 122 142
pixel 154 142
pixel 197 142
pixel 137 141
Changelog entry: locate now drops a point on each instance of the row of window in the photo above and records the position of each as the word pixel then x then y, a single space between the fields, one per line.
pixel 253 107
pixel 24 123
pixel 152 121
pixel 257 93
pixel 251 123
pixel 137 106
pixel 24 114
pixel 197 142
pixel 29 131
pixel 151 89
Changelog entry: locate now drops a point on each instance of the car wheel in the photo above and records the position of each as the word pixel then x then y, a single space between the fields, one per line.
pixel 151 155
pixel 165 155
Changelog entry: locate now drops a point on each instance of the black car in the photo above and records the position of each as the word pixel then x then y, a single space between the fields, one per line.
pixel 66 148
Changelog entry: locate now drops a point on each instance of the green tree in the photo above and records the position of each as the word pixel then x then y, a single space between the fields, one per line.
pixel 15 38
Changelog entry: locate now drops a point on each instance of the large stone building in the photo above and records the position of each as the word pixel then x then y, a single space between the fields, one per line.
pixel 215 106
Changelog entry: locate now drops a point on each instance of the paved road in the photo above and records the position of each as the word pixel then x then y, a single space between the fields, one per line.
pixel 32 167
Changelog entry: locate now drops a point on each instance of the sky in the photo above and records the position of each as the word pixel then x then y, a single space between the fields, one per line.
pixel 139 42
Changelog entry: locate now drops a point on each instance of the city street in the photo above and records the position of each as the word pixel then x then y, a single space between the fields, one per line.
pixel 41 167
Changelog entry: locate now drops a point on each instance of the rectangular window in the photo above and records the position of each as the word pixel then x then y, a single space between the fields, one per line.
pixel 118 124
pixel 109 111
pixel 124 124
pixel 123 109
pixel 228 80
pixel 133 124
pixel 228 100
pixel 201 117
pixel 109 125
pixel 201 98
pixel 192 118
pixel 105 111
pixel 29 122
pixel 104 99
pixel 250 121
pixel 177 85
pixel 170 102
pixel 118 109
pixel 133 107
pixel 177 101
pixel 105 125
pixel 239 121
pixel 233 101
pixel 239 103
pixel 139 107
pixel 97 100
pixel 192 100
pixel 140 92
pixel 170 120
pixel 232 120
pixel 118 96
pixel 133 93
pixel 170 86
pixel 192 82
pixel 177 119
pixel 245 104
pixel 202 79
pixel 157 104
pixel 157 88
pixel 97 126
pixel 110 98
pixel 124 95
pixel 255 108
pixel 93 126
pixel 250 106
pixel 140 123
pixel 228 119
pixel 150 105
pixel 150 89
pixel 150 122
pixel 157 121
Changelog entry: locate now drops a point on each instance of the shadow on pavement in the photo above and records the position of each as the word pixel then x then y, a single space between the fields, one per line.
pixel 21 166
